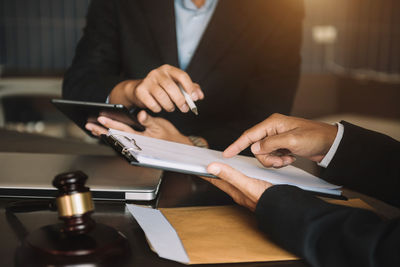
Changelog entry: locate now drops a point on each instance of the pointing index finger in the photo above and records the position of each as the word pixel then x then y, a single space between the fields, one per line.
pixel 250 136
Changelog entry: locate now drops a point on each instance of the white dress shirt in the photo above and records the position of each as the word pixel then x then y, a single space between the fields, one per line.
pixel 331 153
pixel 191 23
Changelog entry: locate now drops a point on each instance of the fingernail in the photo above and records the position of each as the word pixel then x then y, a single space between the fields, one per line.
pixel 89 127
pixel 201 95
pixel 286 162
pixel 195 97
pixel 102 120
pixel 276 165
pixel 214 169
pixel 185 108
pixel 255 147
pixel 144 116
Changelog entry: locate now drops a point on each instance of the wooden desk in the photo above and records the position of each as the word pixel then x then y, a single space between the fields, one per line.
pixel 176 190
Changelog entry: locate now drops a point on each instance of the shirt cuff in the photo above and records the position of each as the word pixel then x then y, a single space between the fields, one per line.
pixel 331 153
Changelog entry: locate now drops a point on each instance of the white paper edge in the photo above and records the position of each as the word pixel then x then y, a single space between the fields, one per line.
pixel 160 233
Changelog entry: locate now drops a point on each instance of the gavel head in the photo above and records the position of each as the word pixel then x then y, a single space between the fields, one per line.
pixel 74 202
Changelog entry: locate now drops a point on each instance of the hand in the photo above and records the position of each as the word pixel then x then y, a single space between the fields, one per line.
pixel 276 138
pixel 155 127
pixel 244 190
pixel 159 90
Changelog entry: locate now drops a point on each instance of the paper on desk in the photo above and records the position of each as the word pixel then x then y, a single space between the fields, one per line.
pixel 214 234
pixel 180 157
pixel 159 232
pixel 222 234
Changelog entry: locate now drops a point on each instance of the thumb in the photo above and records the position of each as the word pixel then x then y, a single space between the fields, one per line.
pixel 250 187
pixel 145 119
pixel 229 174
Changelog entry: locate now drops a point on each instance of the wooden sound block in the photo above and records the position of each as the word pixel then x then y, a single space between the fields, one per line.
pixel 51 246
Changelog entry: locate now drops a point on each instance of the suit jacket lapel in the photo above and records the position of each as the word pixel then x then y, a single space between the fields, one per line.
pixel 228 21
pixel 161 19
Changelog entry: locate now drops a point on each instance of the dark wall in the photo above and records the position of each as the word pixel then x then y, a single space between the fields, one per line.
pixel 39 36
pixel 368 34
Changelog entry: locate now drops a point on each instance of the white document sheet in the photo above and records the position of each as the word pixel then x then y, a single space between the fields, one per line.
pixel 166 155
pixel 159 232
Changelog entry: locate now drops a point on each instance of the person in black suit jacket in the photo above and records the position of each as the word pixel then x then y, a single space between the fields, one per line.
pixel 323 234
pixel 247 63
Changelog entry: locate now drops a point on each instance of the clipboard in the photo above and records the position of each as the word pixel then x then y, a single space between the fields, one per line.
pixel 125 151
pixel 170 156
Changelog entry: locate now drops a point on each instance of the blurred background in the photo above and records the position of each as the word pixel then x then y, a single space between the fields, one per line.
pixel 350 65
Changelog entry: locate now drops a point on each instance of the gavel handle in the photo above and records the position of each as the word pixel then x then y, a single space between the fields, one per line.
pixel 31 206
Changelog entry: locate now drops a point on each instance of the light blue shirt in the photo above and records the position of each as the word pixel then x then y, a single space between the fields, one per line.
pixel 191 23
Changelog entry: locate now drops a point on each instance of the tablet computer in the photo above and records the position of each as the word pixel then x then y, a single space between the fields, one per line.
pixel 82 112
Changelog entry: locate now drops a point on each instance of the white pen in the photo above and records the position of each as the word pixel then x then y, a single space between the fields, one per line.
pixel 189 101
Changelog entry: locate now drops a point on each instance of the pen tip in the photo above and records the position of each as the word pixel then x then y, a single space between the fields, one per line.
pixel 195 111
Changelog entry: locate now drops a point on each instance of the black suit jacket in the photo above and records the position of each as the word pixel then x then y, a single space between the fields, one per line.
pixel 332 235
pixel 247 62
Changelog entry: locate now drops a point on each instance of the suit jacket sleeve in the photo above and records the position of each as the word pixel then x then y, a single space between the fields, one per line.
pixel 325 234
pixel 367 162
pixel 95 69
pixel 332 235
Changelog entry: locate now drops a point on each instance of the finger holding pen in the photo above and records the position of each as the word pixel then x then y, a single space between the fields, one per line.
pixel 163 84
pixel 158 91
pixel 180 88
pixel 189 101
pixel 190 91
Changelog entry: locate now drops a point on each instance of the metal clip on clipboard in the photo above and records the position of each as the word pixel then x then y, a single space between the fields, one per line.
pixel 120 148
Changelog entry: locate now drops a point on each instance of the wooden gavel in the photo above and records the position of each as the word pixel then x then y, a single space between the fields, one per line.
pixel 74 202
pixel 79 240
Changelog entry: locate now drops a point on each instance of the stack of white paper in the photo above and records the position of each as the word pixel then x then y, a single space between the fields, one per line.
pixel 166 155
